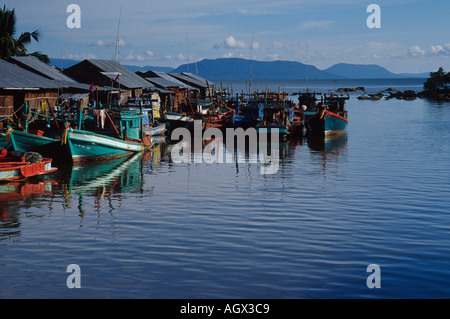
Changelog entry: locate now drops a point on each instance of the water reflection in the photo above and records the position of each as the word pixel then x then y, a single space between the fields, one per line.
pixel 327 150
pixel 101 180
pixel 106 182
pixel 330 146
pixel 268 155
pixel 14 195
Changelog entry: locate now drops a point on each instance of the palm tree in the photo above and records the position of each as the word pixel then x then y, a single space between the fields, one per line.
pixel 10 45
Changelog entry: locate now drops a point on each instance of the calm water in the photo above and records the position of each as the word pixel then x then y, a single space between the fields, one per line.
pixel 146 227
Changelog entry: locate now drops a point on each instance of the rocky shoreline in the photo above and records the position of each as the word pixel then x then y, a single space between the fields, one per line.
pixel 391 93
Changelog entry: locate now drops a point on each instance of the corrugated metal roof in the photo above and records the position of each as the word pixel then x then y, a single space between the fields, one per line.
pixel 198 78
pixel 33 64
pixel 162 83
pixel 162 90
pixel 127 78
pixel 14 77
pixel 188 80
pixel 167 77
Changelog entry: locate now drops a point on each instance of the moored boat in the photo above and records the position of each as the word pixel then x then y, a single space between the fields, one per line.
pixel 327 123
pixel 35 142
pixel 330 118
pixel 297 126
pixel 176 120
pixel 87 145
pixel 15 165
pixel 151 129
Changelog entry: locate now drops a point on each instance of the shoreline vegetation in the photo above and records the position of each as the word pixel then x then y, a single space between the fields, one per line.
pixel 436 87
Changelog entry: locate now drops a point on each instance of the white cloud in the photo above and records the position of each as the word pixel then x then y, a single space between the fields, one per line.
pixel 181 57
pixel 130 56
pixel 88 56
pixel 70 56
pixel 149 53
pixel 231 43
pixel 416 51
pixel 79 57
pixel 97 43
pixel 228 55
pixel 101 43
pixel 435 50
pixel 121 43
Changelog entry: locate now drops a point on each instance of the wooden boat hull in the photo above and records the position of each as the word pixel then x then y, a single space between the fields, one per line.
pixel 156 130
pixel 327 124
pixel 10 170
pixel 47 147
pixel 176 120
pixel 86 145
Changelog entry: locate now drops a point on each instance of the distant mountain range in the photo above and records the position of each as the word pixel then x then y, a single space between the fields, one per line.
pixel 369 71
pixel 240 69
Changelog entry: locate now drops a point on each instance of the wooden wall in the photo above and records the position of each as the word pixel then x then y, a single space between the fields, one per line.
pixel 6 105
pixel 35 99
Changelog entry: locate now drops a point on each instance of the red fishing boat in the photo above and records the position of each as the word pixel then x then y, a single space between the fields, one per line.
pixel 20 165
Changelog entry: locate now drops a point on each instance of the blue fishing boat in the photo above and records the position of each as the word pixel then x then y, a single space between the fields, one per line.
pixel 247 114
pixel 94 142
pixel 34 141
pixel 121 137
pixel 331 118
pixel 87 146
pixel 327 123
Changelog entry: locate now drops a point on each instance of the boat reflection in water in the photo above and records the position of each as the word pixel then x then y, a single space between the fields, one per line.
pixel 328 145
pixel 327 148
pixel 17 194
pixel 101 180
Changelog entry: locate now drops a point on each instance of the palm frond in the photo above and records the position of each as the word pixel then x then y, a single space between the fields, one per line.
pixel 43 57
pixel 24 39
pixel 7 22
pixel 36 35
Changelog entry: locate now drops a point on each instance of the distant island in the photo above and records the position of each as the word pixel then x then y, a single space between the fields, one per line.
pixel 236 69
pixel 239 69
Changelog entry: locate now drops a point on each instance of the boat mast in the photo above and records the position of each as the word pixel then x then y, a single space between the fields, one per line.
pixel 307 68
pixel 117 56
pixel 251 66
pixel 187 63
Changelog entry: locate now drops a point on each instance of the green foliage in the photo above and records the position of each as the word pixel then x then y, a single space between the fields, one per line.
pixel 12 45
pixel 437 81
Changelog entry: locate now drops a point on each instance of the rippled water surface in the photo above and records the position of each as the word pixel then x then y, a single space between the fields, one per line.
pixel 146 227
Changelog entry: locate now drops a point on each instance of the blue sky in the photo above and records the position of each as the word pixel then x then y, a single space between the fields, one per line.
pixel 414 35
